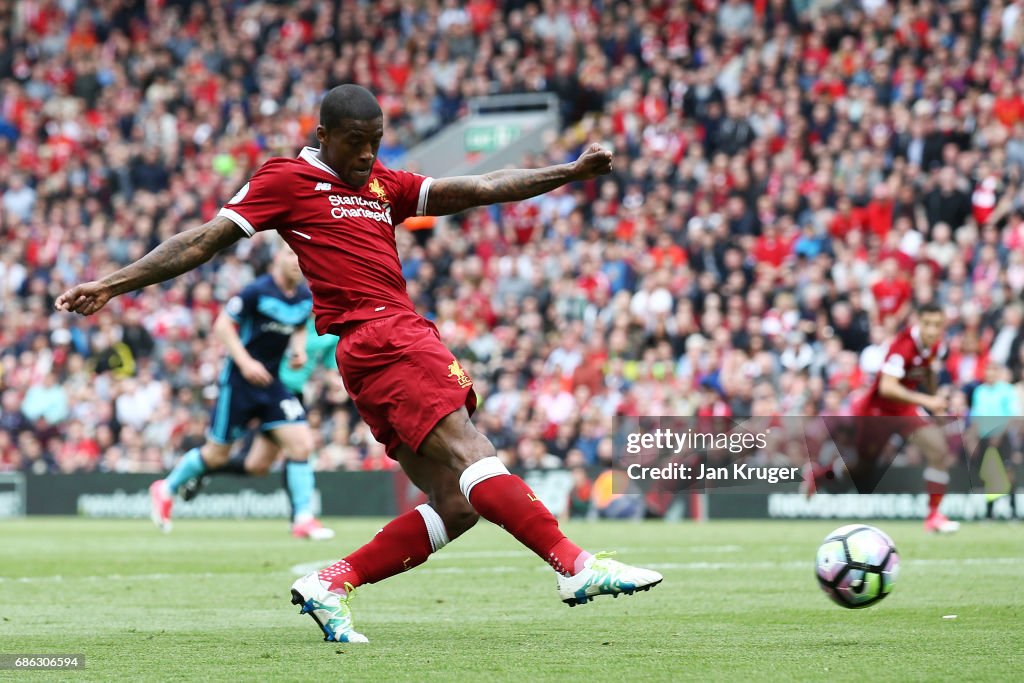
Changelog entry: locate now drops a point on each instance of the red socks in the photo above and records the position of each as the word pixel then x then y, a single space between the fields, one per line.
pixel 499 497
pixel 507 501
pixel 407 541
pixel 339 576
pixel 567 558
pixel 935 483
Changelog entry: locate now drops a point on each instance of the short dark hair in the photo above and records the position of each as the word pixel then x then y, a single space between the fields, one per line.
pixel 930 307
pixel 349 101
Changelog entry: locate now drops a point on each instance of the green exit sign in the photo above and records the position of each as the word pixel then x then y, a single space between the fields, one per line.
pixel 490 138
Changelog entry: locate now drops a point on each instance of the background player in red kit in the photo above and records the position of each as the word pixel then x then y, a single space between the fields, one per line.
pixel 895 404
pixel 337 207
pixel 903 387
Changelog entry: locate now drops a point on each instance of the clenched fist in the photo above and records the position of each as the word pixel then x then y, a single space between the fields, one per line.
pixel 594 161
pixel 85 299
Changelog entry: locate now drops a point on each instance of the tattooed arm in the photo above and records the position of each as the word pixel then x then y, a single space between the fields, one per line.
pixel 452 195
pixel 179 254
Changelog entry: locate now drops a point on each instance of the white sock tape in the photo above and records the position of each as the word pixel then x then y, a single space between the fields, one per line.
pixel 480 471
pixel 936 476
pixel 435 526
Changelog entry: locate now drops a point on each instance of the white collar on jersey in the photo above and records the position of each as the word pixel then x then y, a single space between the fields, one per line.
pixel 311 155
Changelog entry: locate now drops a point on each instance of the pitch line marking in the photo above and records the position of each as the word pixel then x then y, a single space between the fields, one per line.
pixel 306 568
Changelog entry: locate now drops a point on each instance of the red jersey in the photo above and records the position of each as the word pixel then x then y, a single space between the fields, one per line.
pixel 891 295
pixel 909 362
pixel 773 250
pixel 984 199
pixel 523 218
pixel 344 236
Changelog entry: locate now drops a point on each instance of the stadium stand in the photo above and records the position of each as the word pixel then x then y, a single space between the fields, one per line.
pixel 790 176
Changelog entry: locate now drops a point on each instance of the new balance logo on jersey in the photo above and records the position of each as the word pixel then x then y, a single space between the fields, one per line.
pixel 322 186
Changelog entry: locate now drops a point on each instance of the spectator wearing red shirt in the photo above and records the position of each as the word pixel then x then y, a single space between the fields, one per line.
pixel 967 361
pixel 892 293
pixel 521 221
pixel 667 252
pixel 985 197
pixel 879 211
pixel 593 281
pixel 845 219
pixel 772 247
pixel 1008 107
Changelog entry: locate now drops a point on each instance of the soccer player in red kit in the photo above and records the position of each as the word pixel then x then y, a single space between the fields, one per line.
pixel 337 207
pixel 896 403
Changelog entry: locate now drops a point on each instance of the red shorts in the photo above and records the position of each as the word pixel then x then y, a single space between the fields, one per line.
pixel 402 378
pixel 877 422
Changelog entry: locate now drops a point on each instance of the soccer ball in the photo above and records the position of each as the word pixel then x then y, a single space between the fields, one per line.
pixel 857 565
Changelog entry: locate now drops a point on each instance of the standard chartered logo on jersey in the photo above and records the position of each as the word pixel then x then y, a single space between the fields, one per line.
pixel 280 328
pixel 349 206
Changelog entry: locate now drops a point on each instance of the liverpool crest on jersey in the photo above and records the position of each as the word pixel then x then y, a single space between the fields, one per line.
pixel 378 190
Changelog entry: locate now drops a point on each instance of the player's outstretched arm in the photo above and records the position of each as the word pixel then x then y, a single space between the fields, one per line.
pixel 452 195
pixel 176 255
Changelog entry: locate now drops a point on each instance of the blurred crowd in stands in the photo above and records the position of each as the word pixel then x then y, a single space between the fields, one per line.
pixel 791 177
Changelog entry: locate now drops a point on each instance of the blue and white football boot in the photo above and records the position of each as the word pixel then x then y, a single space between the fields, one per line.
pixel 602 575
pixel 329 610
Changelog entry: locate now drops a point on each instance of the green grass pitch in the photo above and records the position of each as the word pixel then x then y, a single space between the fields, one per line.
pixel 739 602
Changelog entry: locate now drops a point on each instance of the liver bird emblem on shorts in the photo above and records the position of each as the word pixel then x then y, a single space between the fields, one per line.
pixel 455 370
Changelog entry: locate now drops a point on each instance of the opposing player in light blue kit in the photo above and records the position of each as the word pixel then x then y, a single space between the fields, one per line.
pixel 257 327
